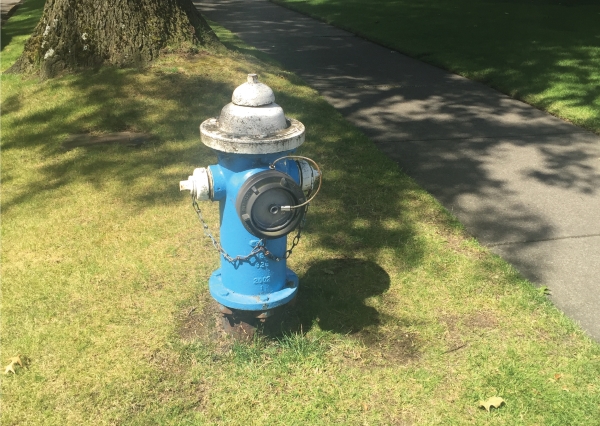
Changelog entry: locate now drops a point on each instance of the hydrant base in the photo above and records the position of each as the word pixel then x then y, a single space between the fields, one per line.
pixel 255 302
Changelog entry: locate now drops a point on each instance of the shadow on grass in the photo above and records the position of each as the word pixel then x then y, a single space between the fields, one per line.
pixel 110 100
pixel 333 294
pixel 338 295
pixel 171 105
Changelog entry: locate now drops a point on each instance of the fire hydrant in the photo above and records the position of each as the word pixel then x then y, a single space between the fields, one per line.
pixel 263 192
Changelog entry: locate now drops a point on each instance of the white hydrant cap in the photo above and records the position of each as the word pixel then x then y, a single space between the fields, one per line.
pixel 199 184
pixel 252 123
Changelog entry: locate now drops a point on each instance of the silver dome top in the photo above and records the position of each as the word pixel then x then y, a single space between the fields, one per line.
pixel 253 93
pixel 252 123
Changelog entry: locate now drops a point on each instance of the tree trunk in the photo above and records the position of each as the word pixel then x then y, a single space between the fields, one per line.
pixel 86 33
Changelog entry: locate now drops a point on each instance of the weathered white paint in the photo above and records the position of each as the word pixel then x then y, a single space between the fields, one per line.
pixel 253 93
pixel 252 121
pixel 198 184
pixel 308 175
pixel 252 124
pixel 285 140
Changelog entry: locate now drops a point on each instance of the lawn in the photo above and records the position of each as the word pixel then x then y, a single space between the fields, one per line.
pixel 401 317
pixel 544 52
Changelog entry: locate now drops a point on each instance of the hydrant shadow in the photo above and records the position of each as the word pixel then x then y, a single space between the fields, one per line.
pixel 332 293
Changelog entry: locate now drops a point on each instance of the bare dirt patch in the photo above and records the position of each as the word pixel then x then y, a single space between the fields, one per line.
pixel 458 244
pixel 481 320
pixel 200 322
pixel 460 328
pixel 385 347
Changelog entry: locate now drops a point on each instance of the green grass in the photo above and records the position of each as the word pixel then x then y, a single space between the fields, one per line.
pixel 544 52
pixel 401 318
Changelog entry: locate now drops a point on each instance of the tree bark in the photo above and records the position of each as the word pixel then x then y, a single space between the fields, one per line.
pixel 74 34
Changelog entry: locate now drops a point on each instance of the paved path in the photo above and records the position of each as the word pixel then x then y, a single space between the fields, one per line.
pixel 7 8
pixel 526 184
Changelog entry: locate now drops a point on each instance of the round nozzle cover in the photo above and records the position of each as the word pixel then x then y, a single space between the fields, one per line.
pixel 260 200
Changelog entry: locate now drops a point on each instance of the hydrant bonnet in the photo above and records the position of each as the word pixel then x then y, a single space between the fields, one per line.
pixel 252 123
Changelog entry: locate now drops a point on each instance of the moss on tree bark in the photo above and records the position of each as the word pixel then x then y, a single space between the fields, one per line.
pixel 74 34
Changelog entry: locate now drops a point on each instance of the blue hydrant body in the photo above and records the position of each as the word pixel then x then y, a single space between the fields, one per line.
pixel 259 283
pixel 262 190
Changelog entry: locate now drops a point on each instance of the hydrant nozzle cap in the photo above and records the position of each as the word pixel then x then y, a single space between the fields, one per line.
pixel 253 93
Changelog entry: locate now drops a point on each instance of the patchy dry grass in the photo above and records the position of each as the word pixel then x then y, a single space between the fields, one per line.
pixel 401 317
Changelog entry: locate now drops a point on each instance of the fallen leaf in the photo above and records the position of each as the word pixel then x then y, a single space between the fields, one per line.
pixel 557 376
pixel 16 360
pixel 9 369
pixel 494 401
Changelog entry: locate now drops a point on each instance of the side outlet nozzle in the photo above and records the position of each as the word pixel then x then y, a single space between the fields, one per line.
pixel 198 184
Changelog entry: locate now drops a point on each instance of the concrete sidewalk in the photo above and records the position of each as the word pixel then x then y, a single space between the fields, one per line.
pixel 524 183
pixel 8 7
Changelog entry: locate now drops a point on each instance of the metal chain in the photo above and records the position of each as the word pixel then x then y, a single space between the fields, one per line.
pixel 296 239
pixel 258 248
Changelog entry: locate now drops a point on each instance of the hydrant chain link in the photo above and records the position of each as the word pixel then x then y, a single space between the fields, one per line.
pixel 258 248
pixel 296 239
